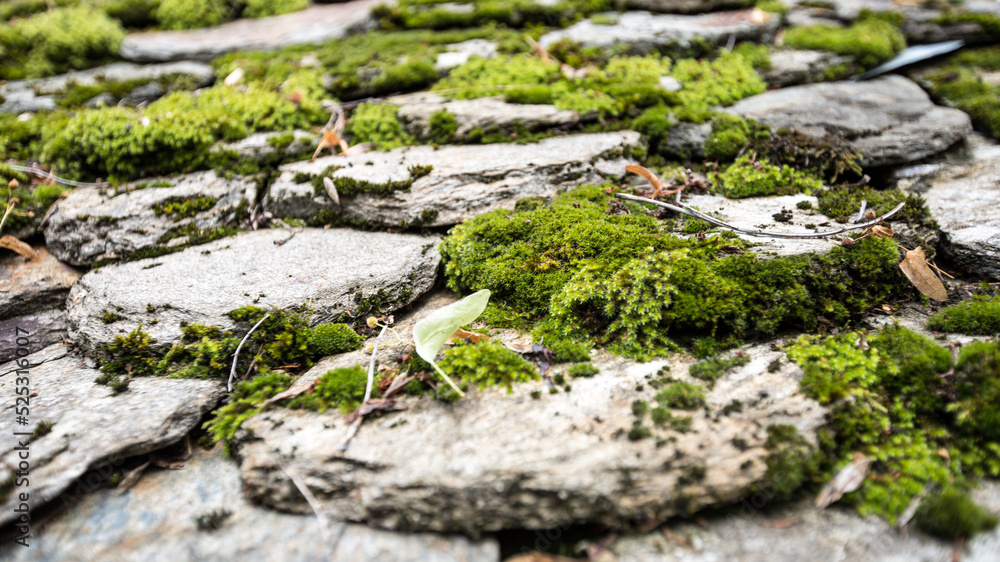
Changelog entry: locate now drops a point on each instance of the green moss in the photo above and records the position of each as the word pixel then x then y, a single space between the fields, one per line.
pixel 723 81
pixel 915 367
pixel 125 357
pixel 844 202
pixel 747 177
pixel 870 41
pixel 342 388
pixel 42 429
pixel 711 369
pixel 791 462
pixel 638 432
pixel 731 135
pixel 485 364
pixel 963 82
pixel 950 514
pixel 33 202
pixel 178 208
pixel 583 370
pixel 977 374
pixel 682 396
pixel 442 127
pixel 264 8
pixel 988 23
pixel 977 316
pixel 110 317
pixel 332 339
pixel 377 123
pixel 655 123
pixel 53 41
pixel 640 408
pixel 512 13
pixel 189 14
pixel 245 402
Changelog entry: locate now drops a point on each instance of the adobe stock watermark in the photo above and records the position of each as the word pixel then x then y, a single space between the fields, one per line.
pixel 21 483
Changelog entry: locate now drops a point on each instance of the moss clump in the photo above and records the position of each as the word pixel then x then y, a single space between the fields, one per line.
pixel 512 13
pixel 378 124
pixel 583 370
pixel 190 14
pixel 711 369
pixel 331 339
pixel 442 127
pixel 964 82
pixel 655 123
pixel 485 364
pixel 870 41
pixel 977 316
pixel 110 317
pixel 682 396
pixel 731 135
pixel 55 41
pixel 977 373
pixel 950 513
pixel 891 403
pixel 723 81
pixel 126 357
pixel 620 280
pixel 342 388
pixel 843 203
pixel 749 177
pixel 791 462
pixel 184 207
pixel 639 432
pixel 245 402
pixel 264 8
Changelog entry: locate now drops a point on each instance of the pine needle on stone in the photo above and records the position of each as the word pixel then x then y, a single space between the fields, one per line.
pixel 236 356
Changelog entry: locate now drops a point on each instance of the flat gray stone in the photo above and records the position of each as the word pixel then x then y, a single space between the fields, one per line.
pixel 890 120
pixel 43 327
pixel 92 224
pixel 687 140
pixel 329 269
pixel 90 424
pixel 319 22
pixel 683 6
pixel 495 461
pixel 465 180
pixel 154 521
pixel 458 54
pixel 28 286
pixel 648 32
pixel 42 93
pixel 258 146
pixel 756 531
pixel 480 113
pixel 963 194
pixel 791 67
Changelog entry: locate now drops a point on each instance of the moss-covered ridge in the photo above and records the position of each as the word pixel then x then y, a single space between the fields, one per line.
pixel 609 273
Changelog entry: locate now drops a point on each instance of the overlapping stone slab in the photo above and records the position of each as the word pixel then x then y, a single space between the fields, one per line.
pixel 890 120
pixel 464 181
pixel 319 22
pixel 90 425
pixel 28 286
pixel 647 32
pixel 333 270
pixel 92 223
pixel 155 521
pixel 495 460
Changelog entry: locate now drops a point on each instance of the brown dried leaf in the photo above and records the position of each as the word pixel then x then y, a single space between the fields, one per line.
pixel 847 480
pixel 461 334
pixel 879 231
pixel 650 176
pixel 13 244
pixel 914 265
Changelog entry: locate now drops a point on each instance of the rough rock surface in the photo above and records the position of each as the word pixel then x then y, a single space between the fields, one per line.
pixel 319 22
pixel 91 224
pixel 962 191
pixel 90 424
pixel 28 286
pixel 648 32
pixel 683 6
pixel 460 53
pixel 480 113
pixel 496 460
pixel 748 533
pixel 258 145
pixel 687 140
pixel 44 327
pixel 155 521
pixel 466 180
pixel 890 120
pixel 334 270
pixel 791 67
pixel 42 93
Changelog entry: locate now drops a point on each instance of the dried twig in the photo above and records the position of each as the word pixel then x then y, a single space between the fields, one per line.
pixel 236 356
pixel 685 210
pixel 43 174
pixel 324 525
pixel 371 364
pixel 291 232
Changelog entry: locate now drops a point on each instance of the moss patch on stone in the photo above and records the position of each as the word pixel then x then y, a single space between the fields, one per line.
pixel 843 203
pixel 977 316
pixel 484 364
pixel 750 177
pixel 870 40
pixel 950 513
pixel 961 82
pixel 709 370
pixel 342 389
pixel 512 13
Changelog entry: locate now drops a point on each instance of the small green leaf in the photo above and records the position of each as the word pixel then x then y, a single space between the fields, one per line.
pixel 431 333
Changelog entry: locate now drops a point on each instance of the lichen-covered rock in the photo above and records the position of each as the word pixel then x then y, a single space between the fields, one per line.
pixel 92 224
pixel 758 530
pixel 29 286
pixel 649 32
pixel 417 112
pixel 963 195
pixel 89 424
pixel 890 120
pixel 462 182
pixel 200 513
pixel 495 460
pixel 791 67
pixel 332 271
pixel 319 22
